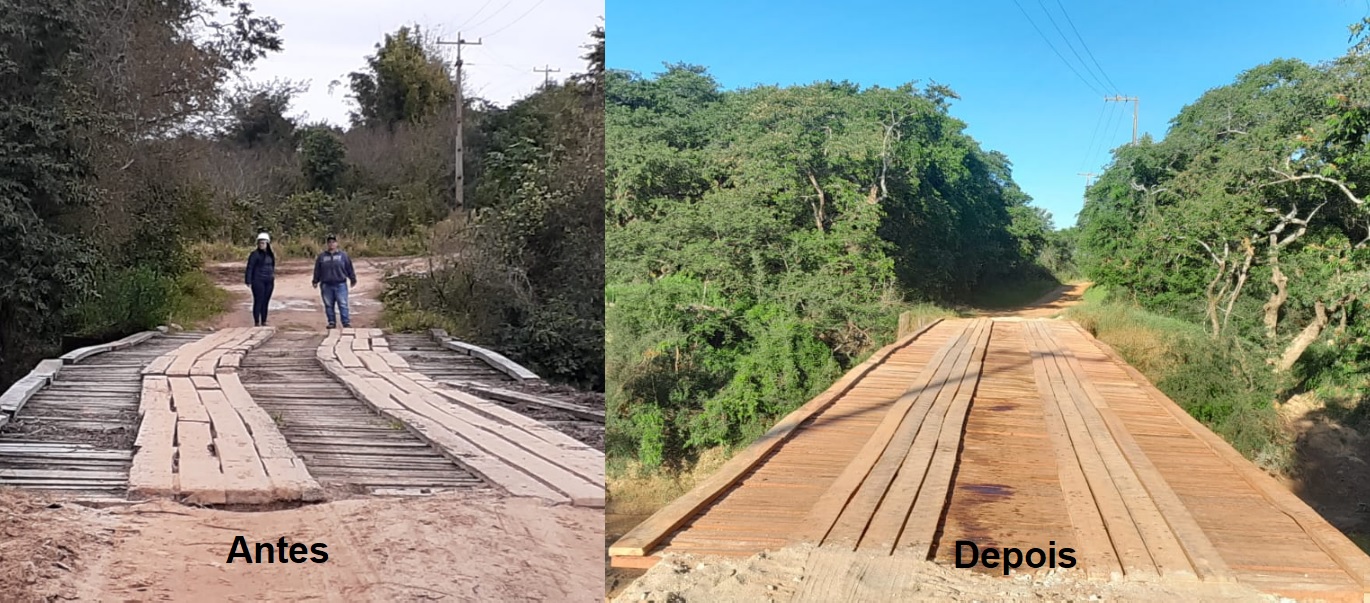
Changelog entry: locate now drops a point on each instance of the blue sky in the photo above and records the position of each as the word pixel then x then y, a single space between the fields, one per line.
pixel 1017 96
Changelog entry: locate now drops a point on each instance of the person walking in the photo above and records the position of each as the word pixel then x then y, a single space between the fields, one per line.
pixel 332 273
pixel 261 278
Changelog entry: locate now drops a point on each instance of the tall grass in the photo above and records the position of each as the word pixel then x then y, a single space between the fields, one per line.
pixel 1223 383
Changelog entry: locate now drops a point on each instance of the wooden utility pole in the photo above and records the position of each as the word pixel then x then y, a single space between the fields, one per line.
pixel 461 110
pixel 1135 102
pixel 546 74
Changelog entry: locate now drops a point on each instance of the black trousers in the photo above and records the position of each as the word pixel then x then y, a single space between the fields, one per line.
pixel 261 300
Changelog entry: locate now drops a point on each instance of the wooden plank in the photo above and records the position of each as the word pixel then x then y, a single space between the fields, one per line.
pixel 156 394
pixel 205 382
pixel 1098 557
pixel 651 532
pixel 395 360
pixel 515 449
pixel 567 453
pixel 939 462
pixel 133 340
pixel 528 424
pixel 361 343
pixel 504 365
pixel 1197 552
pixel 199 477
pixel 921 392
pixel 924 415
pixel 345 356
pixel 48 369
pixel 160 364
pixel 186 400
pixel 80 354
pixel 245 478
pixel 1332 541
pixel 460 347
pixel 151 473
pixel 20 392
pixel 186 355
pixel 523 398
pixel 474 459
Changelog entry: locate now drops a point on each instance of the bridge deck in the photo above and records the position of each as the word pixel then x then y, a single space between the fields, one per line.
pixel 1008 433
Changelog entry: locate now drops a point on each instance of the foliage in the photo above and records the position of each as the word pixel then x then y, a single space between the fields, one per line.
pixel 322 159
pixel 761 241
pixel 405 81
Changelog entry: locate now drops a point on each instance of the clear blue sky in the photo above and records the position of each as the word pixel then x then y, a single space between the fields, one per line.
pixel 1016 95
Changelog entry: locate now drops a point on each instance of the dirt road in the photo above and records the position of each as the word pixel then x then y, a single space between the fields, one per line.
pixel 453 547
pixel 295 304
pixel 1047 306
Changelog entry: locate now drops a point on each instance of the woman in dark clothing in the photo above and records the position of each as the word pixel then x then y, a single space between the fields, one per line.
pixel 261 278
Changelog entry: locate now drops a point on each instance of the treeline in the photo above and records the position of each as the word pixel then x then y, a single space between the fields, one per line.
pixel 761 241
pixel 1248 221
pixel 131 154
pixel 99 105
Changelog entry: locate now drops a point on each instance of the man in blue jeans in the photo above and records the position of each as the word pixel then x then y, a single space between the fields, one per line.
pixel 332 273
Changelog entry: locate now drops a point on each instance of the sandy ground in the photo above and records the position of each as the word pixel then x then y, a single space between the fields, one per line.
pixel 1049 305
pixel 451 547
pixel 782 575
pixel 295 304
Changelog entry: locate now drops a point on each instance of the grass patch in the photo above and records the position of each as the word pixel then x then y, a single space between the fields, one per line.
pixel 197 299
pixel 634 489
pixel 1220 383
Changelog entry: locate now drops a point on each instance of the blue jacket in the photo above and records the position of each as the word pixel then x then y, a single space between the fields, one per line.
pixel 334 268
pixel 261 267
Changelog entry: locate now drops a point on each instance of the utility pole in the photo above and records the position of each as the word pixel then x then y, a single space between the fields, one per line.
pixel 1135 102
pixel 1089 178
pixel 461 110
pixel 546 75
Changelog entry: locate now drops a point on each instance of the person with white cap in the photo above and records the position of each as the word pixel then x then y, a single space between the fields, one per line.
pixel 261 278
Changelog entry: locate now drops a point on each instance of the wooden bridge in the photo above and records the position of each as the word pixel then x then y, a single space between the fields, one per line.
pixel 252 416
pixel 1006 433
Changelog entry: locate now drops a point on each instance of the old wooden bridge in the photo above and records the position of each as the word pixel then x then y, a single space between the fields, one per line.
pixel 251 416
pixel 1007 433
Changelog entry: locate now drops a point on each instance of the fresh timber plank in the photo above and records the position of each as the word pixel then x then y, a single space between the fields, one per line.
pixel 937 462
pixel 825 513
pixel 1099 559
pixel 1337 546
pixel 651 532
pixel 156 395
pixel 245 478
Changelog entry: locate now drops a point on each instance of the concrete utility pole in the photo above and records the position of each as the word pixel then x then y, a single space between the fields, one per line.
pixel 1089 177
pixel 546 75
pixel 1135 102
pixel 461 110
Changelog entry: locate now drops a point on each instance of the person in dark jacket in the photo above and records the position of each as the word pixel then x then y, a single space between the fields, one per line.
pixel 261 278
pixel 332 273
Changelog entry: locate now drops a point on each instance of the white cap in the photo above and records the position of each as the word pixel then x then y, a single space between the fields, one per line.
pixel 264 237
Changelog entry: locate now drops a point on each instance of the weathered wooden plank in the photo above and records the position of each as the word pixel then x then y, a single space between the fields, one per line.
pixel 460 347
pixel 160 364
pixel 48 369
pixel 151 473
pixel 473 458
pixel 523 398
pixel 504 365
pixel 199 476
pixel 186 400
pixel 156 394
pixel 650 532
pixel 20 392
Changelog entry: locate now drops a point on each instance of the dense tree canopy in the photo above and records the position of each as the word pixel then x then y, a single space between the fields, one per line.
pixel 760 240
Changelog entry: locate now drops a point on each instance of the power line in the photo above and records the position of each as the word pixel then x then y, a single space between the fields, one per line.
pixel 475 14
pixel 1135 103
pixel 1086 46
pixel 1070 45
pixel 1053 47
pixel 1089 150
pixel 520 18
pixel 493 15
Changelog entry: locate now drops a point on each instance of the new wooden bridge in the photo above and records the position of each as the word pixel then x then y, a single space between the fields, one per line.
pixel 252 416
pixel 1006 433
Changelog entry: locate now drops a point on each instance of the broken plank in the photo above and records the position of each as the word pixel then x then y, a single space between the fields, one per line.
pixel 523 398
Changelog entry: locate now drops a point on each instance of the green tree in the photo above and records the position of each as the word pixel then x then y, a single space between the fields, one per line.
pixel 323 158
pixel 405 81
